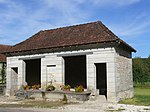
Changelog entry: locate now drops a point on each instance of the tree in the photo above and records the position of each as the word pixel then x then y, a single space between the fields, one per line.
pixel 141 70
pixel 3 75
pixel 148 67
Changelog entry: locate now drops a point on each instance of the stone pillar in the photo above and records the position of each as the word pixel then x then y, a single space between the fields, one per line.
pixel 8 81
pixel 21 74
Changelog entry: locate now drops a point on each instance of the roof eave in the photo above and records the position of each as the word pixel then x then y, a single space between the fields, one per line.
pixel 63 48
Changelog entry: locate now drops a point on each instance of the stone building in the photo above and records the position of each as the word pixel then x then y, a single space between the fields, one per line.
pixel 87 54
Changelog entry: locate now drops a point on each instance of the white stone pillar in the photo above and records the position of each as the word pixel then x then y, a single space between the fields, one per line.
pixel 8 81
pixel 21 73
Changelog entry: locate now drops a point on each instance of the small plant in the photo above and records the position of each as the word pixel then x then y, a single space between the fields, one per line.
pixel 79 88
pixel 50 88
pixel 38 86
pixel 26 87
pixel 65 87
pixel 34 86
pixel 65 100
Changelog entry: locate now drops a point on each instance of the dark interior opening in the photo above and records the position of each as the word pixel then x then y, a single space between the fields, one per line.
pixel 75 71
pixel 33 71
pixel 15 69
pixel 101 78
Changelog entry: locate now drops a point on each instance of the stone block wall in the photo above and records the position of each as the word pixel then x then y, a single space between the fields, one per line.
pixel 51 70
pixel 119 70
pixel 14 81
pixel 124 78
pixel 105 55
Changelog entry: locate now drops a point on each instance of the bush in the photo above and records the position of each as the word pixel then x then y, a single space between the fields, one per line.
pixel 141 70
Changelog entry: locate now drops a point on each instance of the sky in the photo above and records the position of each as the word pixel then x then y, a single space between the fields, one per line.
pixel 128 19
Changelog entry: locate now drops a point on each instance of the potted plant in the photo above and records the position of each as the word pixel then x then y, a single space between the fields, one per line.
pixel 79 88
pixel 65 87
pixel 26 87
pixel 34 87
pixel 38 86
pixel 50 88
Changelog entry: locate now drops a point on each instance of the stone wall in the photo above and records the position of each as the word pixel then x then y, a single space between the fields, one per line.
pixel 13 80
pixel 105 55
pixel 119 72
pixel 124 79
pixel 51 70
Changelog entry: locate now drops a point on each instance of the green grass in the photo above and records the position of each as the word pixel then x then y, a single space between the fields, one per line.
pixel 144 85
pixel 141 97
pixel 35 104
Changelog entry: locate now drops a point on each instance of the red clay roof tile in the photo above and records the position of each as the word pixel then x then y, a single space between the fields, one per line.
pixel 94 32
pixel 3 48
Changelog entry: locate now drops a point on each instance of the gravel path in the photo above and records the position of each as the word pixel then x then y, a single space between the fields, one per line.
pixel 89 106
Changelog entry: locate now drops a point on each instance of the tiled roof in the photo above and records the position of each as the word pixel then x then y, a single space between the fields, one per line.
pixel 83 34
pixel 3 48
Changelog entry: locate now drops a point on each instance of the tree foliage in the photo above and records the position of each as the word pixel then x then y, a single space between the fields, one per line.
pixel 141 70
pixel 3 74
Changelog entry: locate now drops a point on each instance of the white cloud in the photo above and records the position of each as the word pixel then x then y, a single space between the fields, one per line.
pixel 115 2
pixel 104 3
pixel 132 28
pixel 70 11
pixel 20 21
pixel 3 1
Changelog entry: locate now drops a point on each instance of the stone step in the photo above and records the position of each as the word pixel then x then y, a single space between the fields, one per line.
pixel 101 98
pixel 98 98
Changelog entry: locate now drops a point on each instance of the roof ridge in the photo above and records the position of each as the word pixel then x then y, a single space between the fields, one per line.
pixel 5 45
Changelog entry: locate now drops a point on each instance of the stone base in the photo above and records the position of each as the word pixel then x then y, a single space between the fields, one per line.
pixel 125 94
pixel 54 95
pixel 2 89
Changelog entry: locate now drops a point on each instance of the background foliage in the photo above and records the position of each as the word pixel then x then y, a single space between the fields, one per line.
pixel 3 73
pixel 141 70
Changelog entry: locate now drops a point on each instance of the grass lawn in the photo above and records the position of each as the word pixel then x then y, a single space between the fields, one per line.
pixel 35 104
pixel 141 97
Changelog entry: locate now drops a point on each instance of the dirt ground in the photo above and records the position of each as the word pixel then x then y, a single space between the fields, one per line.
pixel 88 106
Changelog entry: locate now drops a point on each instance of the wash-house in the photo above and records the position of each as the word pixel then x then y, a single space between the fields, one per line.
pixel 86 54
